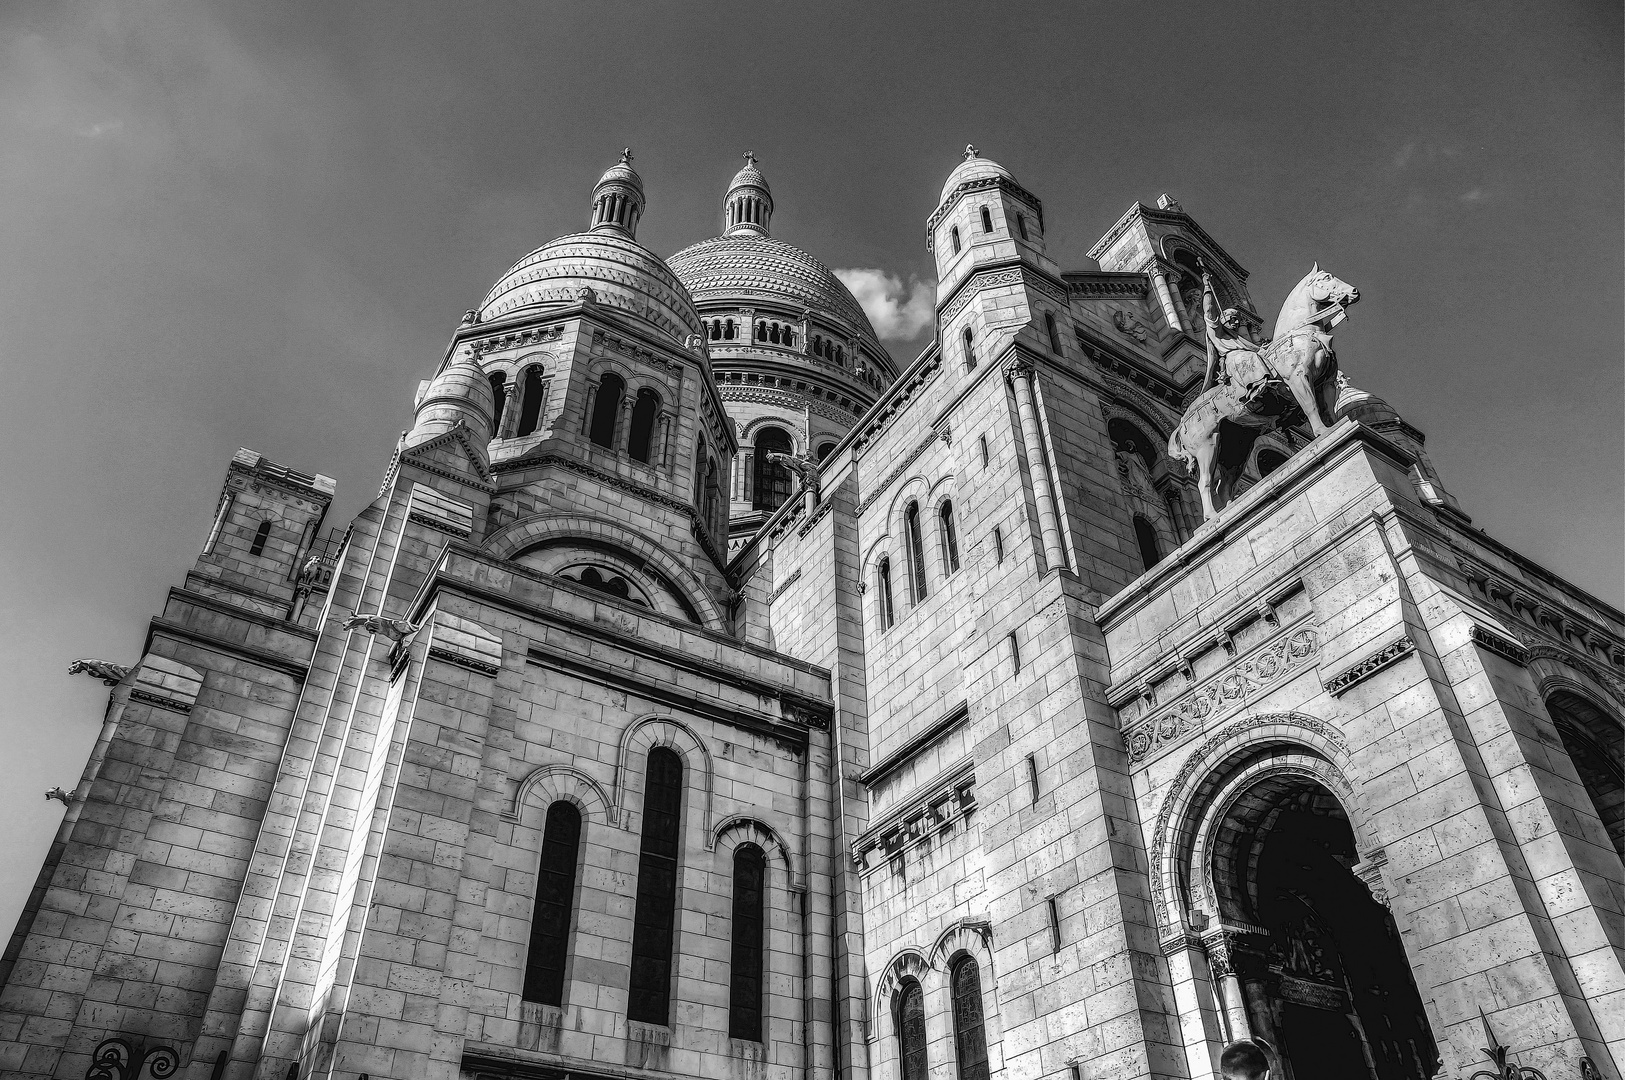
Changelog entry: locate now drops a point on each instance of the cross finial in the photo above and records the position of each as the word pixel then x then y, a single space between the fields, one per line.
pixel 750 158
pixel 626 156
pixel 970 151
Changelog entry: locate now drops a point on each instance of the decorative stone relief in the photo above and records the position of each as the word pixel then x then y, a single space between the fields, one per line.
pixel 1225 691
pixel 1129 325
pixel 1390 653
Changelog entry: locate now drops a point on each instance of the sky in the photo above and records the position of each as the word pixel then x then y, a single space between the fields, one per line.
pixel 257 225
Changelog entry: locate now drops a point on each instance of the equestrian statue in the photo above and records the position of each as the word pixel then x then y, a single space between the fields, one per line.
pixel 1250 389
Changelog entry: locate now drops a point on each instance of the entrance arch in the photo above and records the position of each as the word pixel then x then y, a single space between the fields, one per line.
pixel 1317 960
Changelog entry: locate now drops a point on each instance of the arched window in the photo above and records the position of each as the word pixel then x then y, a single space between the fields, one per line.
pixel 1049 328
pixel 773 333
pixel 605 409
pixel 825 450
pixel 950 538
pixel 1269 460
pixel 908 1018
pixel 987 220
pixel 761 331
pixel 1595 743
pixel 888 614
pixel 1021 225
pixel 729 331
pixel 1150 553
pixel 970 1041
pixel 499 391
pixel 970 349
pixel 789 336
pixel 772 478
pixel 840 355
pixel 640 441
pixel 261 535
pixel 699 475
pixel 953 234
pixel 745 965
pixel 555 899
pixel 916 552
pixel 530 401
pixel 650 998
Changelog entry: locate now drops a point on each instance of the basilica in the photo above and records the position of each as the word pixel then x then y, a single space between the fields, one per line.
pixel 707 692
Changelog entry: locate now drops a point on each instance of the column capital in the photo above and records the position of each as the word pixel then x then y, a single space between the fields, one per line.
pixel 1018 367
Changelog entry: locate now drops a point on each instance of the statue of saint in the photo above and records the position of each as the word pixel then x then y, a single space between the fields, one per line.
pixel 1132 468
pixel 1231 357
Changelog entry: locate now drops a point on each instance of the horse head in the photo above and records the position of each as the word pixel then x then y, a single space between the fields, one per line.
pixel 1325 290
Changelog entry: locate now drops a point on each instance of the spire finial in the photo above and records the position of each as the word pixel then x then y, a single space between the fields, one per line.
pixel 970 151
pixel 750 158
pixel 626 156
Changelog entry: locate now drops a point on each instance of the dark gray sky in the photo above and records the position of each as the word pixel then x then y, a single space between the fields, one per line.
pixel 257 224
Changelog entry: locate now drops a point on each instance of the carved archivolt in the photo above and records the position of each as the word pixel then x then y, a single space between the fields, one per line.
pixel 538 529
pixel 640 737
pixel 742 829
pixel 1185 800
pixel 550 783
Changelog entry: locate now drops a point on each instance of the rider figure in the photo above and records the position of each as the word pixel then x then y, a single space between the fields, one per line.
pixel 1225 341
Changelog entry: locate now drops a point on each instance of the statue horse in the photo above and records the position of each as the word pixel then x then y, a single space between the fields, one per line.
pixel 1218 430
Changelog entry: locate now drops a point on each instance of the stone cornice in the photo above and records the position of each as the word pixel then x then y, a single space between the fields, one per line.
pixel 889 764
pixel 994 274
pixel 949 795
pixel 1391 653
pixel 1106 283
pixel 1109 358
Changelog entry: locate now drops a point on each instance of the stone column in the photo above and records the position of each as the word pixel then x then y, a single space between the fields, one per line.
pixel 1217 945
pixel 512 407
pixel 1020 374
pixel 1170 309
pixel 623 424
pixel 665 440
pixel 586 416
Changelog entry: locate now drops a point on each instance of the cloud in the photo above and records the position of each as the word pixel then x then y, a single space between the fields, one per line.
pixel 899 312
pixel 1477 195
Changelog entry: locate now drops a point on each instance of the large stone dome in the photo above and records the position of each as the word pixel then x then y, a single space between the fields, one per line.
pixel 621 273
pixel 757 266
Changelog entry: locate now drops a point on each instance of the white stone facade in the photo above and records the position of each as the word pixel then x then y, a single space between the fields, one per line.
pixel 1044 776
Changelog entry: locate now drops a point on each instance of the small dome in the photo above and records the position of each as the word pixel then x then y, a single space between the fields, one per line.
pixel 619 272
pixel 461 392
pixel 749 176
pixel 1362 405
pixel 974 167
pixel 622 171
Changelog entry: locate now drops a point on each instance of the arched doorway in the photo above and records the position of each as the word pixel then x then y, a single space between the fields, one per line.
pixel 1321 968
pixel 1595 742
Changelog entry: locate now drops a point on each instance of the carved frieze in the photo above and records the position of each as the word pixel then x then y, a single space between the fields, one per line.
pixel 518 339
pixel 1391 653
pixel 1221 693
pixel 936 808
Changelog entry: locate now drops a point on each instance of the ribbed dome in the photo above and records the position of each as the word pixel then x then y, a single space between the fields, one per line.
pixel 749 176
pixel 623 171
pixel 974 167
pixel 758 266
pixel 621 273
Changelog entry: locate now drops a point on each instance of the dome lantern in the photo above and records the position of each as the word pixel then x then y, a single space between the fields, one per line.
pixel 748 206
pixel 617 198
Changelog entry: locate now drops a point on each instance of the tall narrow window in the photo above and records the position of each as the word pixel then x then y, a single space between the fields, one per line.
pixel 987 220
pixel 772 477
pixel 908 1018
pixel 713 496
pixel 555 897
pixel 970 349
pixel 530 402
pixel 499 391
pixel 745 970
pixel 1150 553
pixel 998 543
pixel 1049 328
pixel 606 409
pixel 1015 653
pixel 982 442
pixel 916 552
pixel 261 534
pixel 950 538
pixel 1021 225
pixel 888 614
pixel 970 1042
pixel 954 235
pixel 640 441
pixel 650 999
